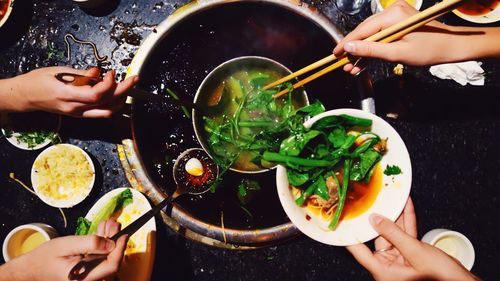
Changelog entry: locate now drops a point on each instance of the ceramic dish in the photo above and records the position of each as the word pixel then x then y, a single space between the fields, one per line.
pixel 63 175
pixel 139 256
pixel 31 122
pixel 389 202
pixel 491 15
pixel 26 238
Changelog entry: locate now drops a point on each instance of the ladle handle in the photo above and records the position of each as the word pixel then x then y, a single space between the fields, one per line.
pixel 80 80
pixel 89 262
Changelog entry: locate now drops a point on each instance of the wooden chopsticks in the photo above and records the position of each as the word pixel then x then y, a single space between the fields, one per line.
pixel 387 35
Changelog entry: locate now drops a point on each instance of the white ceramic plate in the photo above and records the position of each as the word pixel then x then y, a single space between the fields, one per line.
pixel 492 16
pixel 137 264
pixel 389 202
pixel 74 198
pixel 7 14
pixel 15 141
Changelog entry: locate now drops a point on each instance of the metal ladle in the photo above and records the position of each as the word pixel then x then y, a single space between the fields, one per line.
pixel 80 80
pixel 89 262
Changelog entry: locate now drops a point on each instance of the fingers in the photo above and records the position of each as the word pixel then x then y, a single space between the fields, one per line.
pixel 112 264
pixel 407 245
pixel 126 85
pixel 112 227
pixel 77 245
pixel 96 94
pixel 104 111
pixel 410 219
pixel 364 256
pixel 385 51
pixel 93 72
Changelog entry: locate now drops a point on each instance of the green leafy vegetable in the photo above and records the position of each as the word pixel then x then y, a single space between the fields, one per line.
pixel 392 170
pixel 82 226
pixel 117 202
pixel 247 190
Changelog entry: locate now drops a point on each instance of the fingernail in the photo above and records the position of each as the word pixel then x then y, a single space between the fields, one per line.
pixel 136 79
pixel 375 219
pixel 350 47
pixel 110 245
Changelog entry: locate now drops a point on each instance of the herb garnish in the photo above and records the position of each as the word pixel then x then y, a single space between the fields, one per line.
pixel 392 170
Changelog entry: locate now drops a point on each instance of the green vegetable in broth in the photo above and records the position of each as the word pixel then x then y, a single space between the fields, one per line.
pixel 252 121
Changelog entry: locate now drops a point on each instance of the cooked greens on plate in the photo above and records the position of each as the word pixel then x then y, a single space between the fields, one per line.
pixel 324 161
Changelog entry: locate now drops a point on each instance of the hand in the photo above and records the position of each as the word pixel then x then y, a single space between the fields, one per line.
pixel 40 90
pixel 400 256
pixel 431 44
pixel 54 259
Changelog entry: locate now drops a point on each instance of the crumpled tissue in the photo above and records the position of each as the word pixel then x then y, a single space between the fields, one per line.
pixel 462 72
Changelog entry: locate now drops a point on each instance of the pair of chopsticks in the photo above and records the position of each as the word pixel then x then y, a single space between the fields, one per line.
pixel 387 35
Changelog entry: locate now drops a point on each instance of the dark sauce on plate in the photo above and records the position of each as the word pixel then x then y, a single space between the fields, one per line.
pixel 478 7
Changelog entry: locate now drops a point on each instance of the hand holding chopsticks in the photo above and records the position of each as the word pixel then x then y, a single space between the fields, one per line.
pixel 389 34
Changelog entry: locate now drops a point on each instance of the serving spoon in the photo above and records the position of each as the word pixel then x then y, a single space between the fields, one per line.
pixel 88 262
pixel 81 80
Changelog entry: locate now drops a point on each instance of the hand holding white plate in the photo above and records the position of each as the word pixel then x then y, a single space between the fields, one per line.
pixel 389 202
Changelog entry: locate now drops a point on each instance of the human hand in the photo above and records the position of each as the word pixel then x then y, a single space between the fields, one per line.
pixel 431 44
pixel 400 256
pixel 54 259
pixel 40 90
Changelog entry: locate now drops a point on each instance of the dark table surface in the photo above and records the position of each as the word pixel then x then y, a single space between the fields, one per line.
pixel 452 133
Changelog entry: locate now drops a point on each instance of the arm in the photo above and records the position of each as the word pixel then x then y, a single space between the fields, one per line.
pixel 432 44
pixel 404 257
pixel 54 259
pixel 40 90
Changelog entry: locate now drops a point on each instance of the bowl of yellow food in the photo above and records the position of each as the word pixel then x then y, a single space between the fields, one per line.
pixel 380 5
pixel 25 238
pixel 63 175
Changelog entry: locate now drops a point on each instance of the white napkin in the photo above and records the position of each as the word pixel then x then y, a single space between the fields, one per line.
pixel 462 72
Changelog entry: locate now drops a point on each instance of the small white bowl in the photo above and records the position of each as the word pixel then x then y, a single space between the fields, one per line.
pixel 21 145
pixel 390 200
pixel 5 17
pixel 75 198
pixel 377 7
pixel 453 243
pixel 12 243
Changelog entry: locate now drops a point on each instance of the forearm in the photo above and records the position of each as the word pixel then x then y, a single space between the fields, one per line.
pixel 12 271
pixel 474 43
pixel 10 96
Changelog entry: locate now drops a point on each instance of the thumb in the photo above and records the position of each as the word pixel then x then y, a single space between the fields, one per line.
pixel 385 51
pixel 408 246
pixel 77 245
